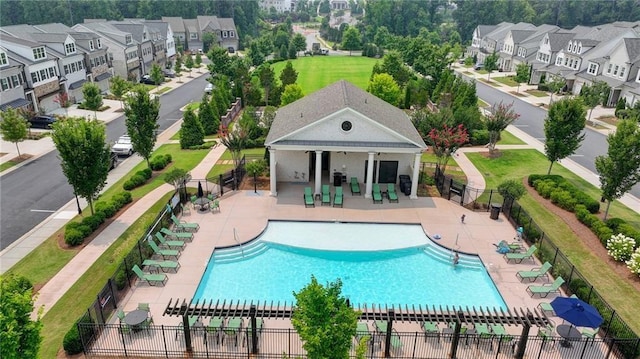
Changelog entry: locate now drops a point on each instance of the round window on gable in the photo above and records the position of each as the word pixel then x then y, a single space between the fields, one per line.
pixel 346 126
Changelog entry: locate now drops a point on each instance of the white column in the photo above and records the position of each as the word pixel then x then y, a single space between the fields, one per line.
pixel 272 172
pixel 369 184
pixel 416 176
pixel 318 179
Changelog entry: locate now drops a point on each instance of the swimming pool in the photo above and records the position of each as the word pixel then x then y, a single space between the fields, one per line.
pixel 377 263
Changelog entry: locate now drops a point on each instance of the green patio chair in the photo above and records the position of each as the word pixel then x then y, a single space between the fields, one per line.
pixel 144 306
pixel 215 206
pixel 391 193
pixel 544 290
pixel 120 315
pixel 337 198
pixel 182 226
pixel 355 186
pixel 169 244
pixel 233 329
pixel 165 266
pixel 326 195
pixel 183 236
pixel 308 198
pixel 535 273
pixel 377 195
pixel 590 334
pixel 185 209
pixel 362 332
pixel 215 328
pixel 259 326
pixel 163 252
pixel 431 330
pixel 546 334
pixel 152 279
pixel 519 257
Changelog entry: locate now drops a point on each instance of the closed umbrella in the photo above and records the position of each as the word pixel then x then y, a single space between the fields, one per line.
pixel 577 312
pixel 200 191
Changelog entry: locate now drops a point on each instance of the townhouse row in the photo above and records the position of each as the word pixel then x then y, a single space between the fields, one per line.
pixel 39 62
pixel 580 56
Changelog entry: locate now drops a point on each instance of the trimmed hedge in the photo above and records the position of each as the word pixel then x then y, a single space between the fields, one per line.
pixel 160 162
pixel 76 232
pixel 138 179
pixel 568 200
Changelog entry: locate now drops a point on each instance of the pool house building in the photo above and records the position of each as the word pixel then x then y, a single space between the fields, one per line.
pixel 341 132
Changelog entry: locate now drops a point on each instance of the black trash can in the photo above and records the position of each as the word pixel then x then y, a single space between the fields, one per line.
pixel 495 210
pixel 337 179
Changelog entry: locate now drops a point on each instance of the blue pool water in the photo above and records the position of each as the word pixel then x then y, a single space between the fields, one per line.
pixel 397 275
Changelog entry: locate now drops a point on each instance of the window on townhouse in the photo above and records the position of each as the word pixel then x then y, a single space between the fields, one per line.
pixel 193 35
pixel 70 48
pixel 225 34
pixel 609 68
pixel 128 39
pixel 566 61
pixel 546 40
pixel 4 82
pixel 615 70
pixel 91 45
pixel 558 61
pixel 232 34
pixel 39 53
pixel 144 36
pixel 569 46
pixel 99 43
pixel 576 64
pixel 593 69
pixel 622 71
pixel 3 59
pixel 579 49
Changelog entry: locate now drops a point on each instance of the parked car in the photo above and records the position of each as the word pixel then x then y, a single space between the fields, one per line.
pixel 169 73
pixel 42 121
pixel 208 88
pixel 147 80
pixel 123 146
pixel 113 160
pixel 478 67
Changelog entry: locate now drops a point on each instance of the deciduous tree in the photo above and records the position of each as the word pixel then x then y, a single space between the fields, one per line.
pixel 594 95
pixel 119 87
pixel 84 155
pixel 198 61
pixel 141 117
pixel 62 99
pixel 563 129
pixel 291 93
pixel 522 74
pixel 191 131
pixel 445 141
pixel 13 127
pixel 324 320
pixel 188 63
pixel 351 39
pixel 299 42
pixel 491 64
pixel 20 336
pixel 385 87
pixel 156 74
pixel 555 85
pixel 619 170
pixel 497 121
pixel 92 97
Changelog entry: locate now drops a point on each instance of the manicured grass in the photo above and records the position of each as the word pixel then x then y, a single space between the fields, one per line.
pixel 430 157
pixel 506 80
pixel 162 90
pixel 75 301
pixel 219 169
pixel 46 260
pixel 316 72
pixel 482 71
pixel 537 93
pixel 482 103
pixel 176 137
pixel 193 106
pixel 5 165
pixel 509 166
pixel 506 138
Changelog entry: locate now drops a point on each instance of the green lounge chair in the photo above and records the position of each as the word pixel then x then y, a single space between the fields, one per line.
pixel 396 343
pixel 185 209
pixel 590 334
pixel 152 279
pixel 120 315
pixel 377 195
pixel 259 326
pixel 308 198
pixel 535 273
pixel 233 329
pixel 391 193
pixel 519 257
pixel 362 331
pixel 355 187
pixel 164 265
pixel 184 226
pixel 430 330
pixel 163 252
pixel 326 195
pixel 169 244
pixel 337 198
pixel 215 327
pixel 547 308
pixel 183 236
pixel 546 334
pixel 482 330
pixel 215 206
pixel 544 290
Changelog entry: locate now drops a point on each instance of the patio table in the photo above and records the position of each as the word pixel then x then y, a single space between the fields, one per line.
pixel 569 333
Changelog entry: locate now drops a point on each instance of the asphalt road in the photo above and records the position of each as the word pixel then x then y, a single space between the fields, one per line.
pixel 34 191
pixel 531 121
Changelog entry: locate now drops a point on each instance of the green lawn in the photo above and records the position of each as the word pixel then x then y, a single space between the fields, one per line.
pixel 506 80
pixel 5 165
pixel 537 93
pixel 618 293
pixel 506 138
pixel 316 72
pixel 482 103
pixel 47 259
pixel 219 169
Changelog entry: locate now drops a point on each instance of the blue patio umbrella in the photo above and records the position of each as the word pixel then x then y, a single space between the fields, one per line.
pixel 576 312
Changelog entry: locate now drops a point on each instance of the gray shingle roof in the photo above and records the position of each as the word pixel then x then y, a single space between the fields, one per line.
pixel 483 30
pixel 177 24
pixel 333 98
pixel 633 49
pixel 559 40
pixel 520 35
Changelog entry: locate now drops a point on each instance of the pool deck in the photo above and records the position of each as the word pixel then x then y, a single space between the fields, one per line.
pixel 247 213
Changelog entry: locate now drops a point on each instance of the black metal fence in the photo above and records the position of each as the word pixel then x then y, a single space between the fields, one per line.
pixel 575 282
pixel 230 180
pixel 170 342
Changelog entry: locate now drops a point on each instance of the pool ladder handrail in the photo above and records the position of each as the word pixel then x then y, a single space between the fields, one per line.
pixel 235 238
